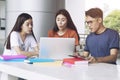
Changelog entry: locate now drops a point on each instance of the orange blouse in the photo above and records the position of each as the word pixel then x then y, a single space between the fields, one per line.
pixel 68 34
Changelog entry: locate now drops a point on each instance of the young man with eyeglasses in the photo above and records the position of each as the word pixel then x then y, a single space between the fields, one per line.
pixel 102 44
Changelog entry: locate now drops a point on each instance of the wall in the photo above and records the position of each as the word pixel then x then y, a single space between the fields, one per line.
pixel 77 9
pixel 2 17
pixel 42 11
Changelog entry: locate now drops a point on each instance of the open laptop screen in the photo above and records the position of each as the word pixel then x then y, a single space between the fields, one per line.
pixel 56 48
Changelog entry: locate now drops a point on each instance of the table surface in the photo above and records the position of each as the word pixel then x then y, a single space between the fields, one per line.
pixel 97 71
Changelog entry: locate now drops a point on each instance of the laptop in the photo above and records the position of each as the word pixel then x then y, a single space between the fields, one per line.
pixel 56 48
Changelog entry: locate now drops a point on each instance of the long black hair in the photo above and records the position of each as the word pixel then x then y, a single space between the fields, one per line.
pixel 17 27
pixel 70 23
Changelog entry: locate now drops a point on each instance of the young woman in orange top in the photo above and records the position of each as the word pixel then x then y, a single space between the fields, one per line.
pixel 64 27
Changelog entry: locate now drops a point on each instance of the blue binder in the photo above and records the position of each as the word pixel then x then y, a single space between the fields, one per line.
pixel 12 60
pixel 32 60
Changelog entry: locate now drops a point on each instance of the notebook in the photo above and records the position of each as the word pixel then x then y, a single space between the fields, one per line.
pixel 56 48
pixel 9 57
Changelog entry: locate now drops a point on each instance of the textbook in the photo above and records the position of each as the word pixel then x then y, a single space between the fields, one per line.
pixel 9 57
pixel 74 61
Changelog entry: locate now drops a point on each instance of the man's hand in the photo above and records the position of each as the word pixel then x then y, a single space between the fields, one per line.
pixel 92 59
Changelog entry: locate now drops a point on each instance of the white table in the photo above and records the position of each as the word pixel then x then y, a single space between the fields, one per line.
pixel 98 71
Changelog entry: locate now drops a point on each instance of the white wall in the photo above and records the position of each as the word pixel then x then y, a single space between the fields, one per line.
pixel 77 9
pixel 42 11
pixel 2 15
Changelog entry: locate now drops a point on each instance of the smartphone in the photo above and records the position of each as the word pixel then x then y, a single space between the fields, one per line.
pixel 78 56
